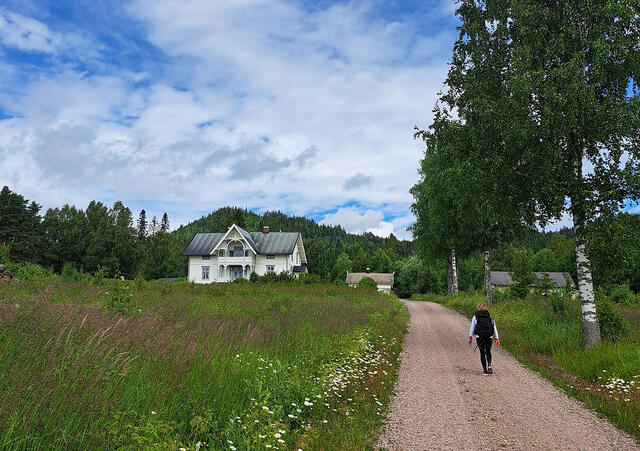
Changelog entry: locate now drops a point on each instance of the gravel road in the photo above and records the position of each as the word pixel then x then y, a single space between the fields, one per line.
pixel 443 401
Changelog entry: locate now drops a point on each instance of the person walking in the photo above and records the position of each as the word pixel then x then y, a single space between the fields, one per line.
pixel 483 327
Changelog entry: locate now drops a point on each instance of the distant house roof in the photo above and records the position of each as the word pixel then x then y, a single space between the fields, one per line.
pixel 166 279
pixel 299 269
pixel 272 243
pixel 503 278
pixel 354 278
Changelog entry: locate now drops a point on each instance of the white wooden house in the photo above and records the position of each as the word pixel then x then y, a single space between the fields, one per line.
pixel 223 257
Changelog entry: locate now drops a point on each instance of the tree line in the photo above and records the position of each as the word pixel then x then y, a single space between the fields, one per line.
pixel 111 240
pixel 539 117
pixel 96 238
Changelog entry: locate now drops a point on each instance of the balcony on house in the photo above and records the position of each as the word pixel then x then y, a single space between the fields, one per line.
pixel 236 255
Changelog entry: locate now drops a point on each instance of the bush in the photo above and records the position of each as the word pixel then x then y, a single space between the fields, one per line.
pixel 500 295
pixel 613 326
pixel 309 279
pixel 413 277
pixel 519 290
pixel 271 277
pixel 5 254
pixel 546 285
pixel 622 294
pixel 99 276
pixel 71 274
pixel 254 277
pixel 240 280
pixel 121 299
pixel 368 283
pixel 558 305
pixel 29 271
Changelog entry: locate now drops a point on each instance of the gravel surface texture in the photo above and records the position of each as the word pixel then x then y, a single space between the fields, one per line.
pixel 443 401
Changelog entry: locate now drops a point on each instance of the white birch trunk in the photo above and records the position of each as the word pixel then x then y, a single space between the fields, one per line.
pixel 487 278
pixel 452 278
pixel 590 324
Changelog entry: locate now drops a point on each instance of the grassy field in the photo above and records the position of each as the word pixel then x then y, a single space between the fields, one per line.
pixel 548 339
pixel 128 364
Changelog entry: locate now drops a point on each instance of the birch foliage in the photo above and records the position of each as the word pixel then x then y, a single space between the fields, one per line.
pixel 560 79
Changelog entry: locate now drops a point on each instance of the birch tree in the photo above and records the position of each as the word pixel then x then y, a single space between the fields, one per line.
pixel 461 203
pixel 571 114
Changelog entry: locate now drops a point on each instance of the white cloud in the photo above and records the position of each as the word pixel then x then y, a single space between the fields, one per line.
pixel 565 221
pixel 30 35
pixel 355 220
pixel 261 104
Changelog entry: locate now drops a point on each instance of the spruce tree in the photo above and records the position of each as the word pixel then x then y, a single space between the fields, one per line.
pixel 164 223
pixel 142 225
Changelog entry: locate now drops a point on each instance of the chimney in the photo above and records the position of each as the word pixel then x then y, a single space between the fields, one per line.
pixel 265 229
pixel 368 270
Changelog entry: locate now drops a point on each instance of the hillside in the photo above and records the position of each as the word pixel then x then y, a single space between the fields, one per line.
pixel 334 236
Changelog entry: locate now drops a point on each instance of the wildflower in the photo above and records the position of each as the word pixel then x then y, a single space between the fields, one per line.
pixel 277 435
pixel 280 441
pixel 325 421
pixel 153 412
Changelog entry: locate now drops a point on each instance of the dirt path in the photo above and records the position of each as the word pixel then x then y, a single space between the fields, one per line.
pixel 443 402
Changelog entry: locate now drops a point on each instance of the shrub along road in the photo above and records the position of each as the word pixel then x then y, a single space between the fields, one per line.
pixel 443 401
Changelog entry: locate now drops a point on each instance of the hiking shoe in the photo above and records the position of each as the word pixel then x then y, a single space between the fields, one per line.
pixel 490 371
pixel 484 373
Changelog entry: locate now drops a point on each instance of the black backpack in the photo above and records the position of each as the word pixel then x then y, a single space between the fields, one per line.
pixel 484 324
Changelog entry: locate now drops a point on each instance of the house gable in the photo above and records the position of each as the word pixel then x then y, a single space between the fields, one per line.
pixel 235 234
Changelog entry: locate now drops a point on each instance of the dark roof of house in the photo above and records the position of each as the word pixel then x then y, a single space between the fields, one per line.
pixel 503 278
pixel 378 277
pixel 299 269
pixel 272 243
pixel 166 279
pixel 275 243
pixel 203 244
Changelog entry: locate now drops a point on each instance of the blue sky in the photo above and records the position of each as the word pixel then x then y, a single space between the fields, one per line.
pixel 303 106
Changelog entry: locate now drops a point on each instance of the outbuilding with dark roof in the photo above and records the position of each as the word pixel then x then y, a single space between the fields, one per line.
pixel 504 279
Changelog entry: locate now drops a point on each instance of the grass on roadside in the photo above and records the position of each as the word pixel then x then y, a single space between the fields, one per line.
pixel 124 364
pixel 548 338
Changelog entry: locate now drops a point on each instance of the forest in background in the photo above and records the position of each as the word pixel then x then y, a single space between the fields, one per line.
pixel 111 240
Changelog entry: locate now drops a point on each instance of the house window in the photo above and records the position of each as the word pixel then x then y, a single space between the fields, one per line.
pixel 221 253
pixel 205 273
pixel 271 257
pixel 205 257
pixel 271 268
pixel 246 253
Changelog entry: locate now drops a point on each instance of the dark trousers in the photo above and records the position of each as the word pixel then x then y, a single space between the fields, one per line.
pixel 484 345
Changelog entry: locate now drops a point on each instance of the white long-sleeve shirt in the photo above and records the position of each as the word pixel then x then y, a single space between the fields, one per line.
pixel 473 326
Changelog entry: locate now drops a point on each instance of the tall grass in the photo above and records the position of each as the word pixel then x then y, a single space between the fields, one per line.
pixel 546 335
pixel 225 365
